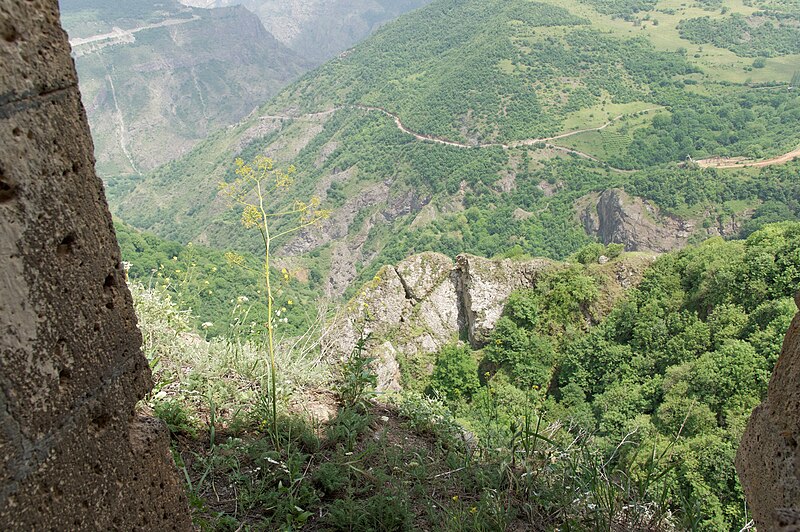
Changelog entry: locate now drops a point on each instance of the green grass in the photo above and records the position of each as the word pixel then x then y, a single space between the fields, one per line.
pixel 612 140
pixel 599 114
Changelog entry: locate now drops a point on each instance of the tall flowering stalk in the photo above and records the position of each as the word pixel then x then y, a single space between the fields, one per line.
pixel 258 186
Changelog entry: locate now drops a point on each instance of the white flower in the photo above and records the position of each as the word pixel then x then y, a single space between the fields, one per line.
pixel 206 324
pixel 242 299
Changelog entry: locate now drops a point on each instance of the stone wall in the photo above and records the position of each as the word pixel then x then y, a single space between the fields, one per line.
pixel 768 460
pixel 74 454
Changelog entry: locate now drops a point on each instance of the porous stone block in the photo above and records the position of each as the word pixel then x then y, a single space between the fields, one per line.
pixel 75 455
pixel 768 460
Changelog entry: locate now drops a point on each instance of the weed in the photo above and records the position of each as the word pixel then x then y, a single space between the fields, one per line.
pixel 358 379
pixel 172 412
pixel 347 427
pixel 331 477
pixel 262 181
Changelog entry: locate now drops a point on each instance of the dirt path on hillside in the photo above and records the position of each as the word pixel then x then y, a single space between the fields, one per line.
pixel 546 141
pixel 119 33
pixel 723 162
pixel 515 144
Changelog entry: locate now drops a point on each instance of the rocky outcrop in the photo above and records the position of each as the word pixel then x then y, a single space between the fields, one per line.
pixel 348 233
pixel 768 460
pixel 615 217
pixel 487 284
pixel 410 311
pixel 75 456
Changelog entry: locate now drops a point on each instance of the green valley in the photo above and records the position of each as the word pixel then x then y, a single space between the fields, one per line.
pixel 158 78
pixel 502 77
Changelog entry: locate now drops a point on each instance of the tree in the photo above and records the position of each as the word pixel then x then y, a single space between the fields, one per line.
pixel 795 83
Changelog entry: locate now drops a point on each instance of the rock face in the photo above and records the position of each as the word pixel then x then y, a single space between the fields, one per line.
pixel 487 285
pixel 427 301
pixel 410 311
pixel 768 460
pixel 614 216
pixel 75 456
pixel 348 250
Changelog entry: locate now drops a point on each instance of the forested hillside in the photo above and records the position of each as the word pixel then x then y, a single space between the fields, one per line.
pixel 222 296
pixel 674 370
pixel 582 410
pixel 477 127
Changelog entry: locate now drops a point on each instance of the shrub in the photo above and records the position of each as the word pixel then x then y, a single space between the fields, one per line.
pixel 456 373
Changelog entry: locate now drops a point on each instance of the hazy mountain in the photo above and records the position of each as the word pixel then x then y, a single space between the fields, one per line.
pixel 320 29
pixel 157 77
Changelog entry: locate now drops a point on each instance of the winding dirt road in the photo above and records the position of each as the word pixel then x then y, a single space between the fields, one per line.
pixel 717 162
pixel 515 144
pixel 722 162
pixel 119 33
pixel 546 141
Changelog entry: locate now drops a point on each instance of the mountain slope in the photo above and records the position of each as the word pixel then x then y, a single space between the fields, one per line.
pixel 559 104
pixel 158 77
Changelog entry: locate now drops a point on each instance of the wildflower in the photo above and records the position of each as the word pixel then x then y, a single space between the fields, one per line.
pixel 455 498
pixel 251 217
pixel 242 299
pixel 473 510
pixel 206 324
pixel 290 302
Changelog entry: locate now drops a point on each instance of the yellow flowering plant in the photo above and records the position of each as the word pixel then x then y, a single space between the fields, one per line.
pixel 256 190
